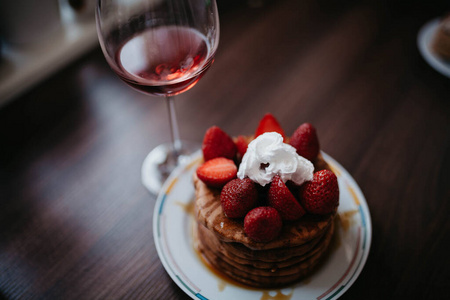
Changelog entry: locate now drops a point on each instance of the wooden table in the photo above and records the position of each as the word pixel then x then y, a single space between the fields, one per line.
pixel 76 222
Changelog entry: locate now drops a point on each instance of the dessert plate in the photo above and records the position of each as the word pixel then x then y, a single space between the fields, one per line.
pixel 424 39
pixel 175 240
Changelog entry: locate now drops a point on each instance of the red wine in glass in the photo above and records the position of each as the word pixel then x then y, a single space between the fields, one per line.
pixel 162 48
pixel 165 60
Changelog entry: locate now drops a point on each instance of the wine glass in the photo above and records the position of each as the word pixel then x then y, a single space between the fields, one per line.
pixel 162 48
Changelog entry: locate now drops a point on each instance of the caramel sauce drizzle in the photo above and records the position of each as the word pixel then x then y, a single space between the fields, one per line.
pixel 346 218
pixel 278 295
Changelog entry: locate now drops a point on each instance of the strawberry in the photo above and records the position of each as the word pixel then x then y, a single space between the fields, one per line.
pixel 238 197
pixel 281 198
pixel 216 143
pixel 217 171
pixel 268 124
pixel 321 195
pixel 305 141
pixel 241 145
pixel 263 224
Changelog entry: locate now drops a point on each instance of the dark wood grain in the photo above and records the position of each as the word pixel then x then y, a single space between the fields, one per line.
pixel 76 222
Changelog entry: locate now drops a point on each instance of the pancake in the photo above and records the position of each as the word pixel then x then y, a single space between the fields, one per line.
pixel 255 273
pixel 259 262
pixel 284 260
pixel 271 255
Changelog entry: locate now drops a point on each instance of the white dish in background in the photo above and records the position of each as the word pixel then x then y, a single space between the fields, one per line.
pixel 424 39
pixel 173 234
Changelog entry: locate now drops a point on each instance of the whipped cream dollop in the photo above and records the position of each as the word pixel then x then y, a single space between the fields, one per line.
pixel 268 156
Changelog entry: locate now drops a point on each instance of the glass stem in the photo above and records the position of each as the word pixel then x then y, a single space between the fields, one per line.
pixel 174 131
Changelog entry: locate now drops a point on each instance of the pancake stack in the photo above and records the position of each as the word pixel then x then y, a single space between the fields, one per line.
pixel 290 257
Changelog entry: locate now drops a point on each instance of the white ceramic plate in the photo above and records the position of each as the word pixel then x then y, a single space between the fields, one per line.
pixel 173 234
pixel 424 39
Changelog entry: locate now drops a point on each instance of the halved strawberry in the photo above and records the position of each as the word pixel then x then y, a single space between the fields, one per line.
pixel 321 195
pixel 262 224
pixel 241 145
pixel 281 198
pixel 217 172
pixel 238 197
pixel 217 143
pixel 305 141
pixel 268 124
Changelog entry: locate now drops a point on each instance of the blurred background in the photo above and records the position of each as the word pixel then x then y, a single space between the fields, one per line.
pixel 57 32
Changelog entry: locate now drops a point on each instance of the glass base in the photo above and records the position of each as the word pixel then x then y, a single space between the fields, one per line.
pixel 161 161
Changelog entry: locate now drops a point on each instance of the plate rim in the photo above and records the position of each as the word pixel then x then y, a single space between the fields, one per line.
pixel 332 293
